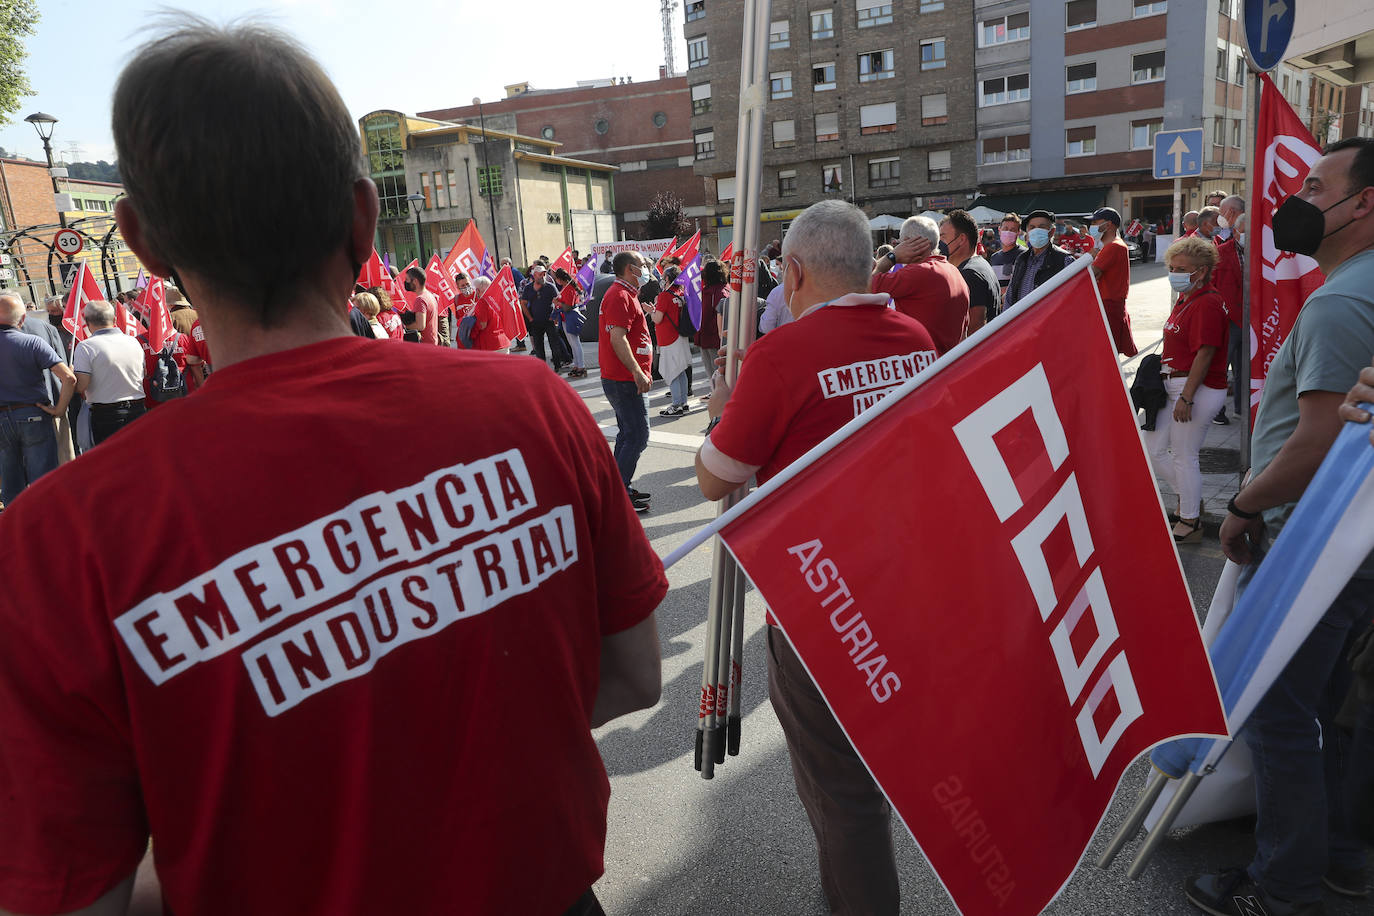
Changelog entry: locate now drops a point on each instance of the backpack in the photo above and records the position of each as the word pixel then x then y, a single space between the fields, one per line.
pixel 684 326
pixel 467 327
pixel 167 381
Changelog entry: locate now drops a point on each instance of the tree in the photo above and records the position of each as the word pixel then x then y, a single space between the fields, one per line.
pixel 667 218
pixel 17 21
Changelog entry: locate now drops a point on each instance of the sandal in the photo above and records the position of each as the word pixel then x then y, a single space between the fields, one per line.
pixel 1192 531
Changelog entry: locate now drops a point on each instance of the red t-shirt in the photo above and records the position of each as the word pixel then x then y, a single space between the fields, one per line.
pixel 1198 320
pixel 391 323
pixel 493 336
pixel 366 695
pixel 934 293
pixel 426 302
pixel 181 345
pixel 670 302
pixel 620 309
pixel 1114 260
pixel 200 349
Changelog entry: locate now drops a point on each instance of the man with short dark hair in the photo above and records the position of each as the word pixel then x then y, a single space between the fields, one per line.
pixel 1035 265
pixel 422 316
pixel 626 355
pixel 1112 268
pixel 277 658
pixel 28 440
pixel 1003 260
pixel 960 234
pixel 1302 837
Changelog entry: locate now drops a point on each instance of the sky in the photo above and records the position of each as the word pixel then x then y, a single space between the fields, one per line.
pixel 417 55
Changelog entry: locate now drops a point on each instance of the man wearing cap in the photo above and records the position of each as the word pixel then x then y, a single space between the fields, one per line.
pixel 536 298
pixel 1037 263
pixel 1112 268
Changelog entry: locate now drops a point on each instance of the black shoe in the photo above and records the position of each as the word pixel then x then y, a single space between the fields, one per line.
pixel 1221 419
pixel 636 496
pixel 1348 882
pixel 1232 893
pixel 518 346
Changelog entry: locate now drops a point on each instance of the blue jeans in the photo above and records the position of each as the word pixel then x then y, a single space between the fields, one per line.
pixel 28 449
pixel 1301 758
pixel 677 388
pixel 632 422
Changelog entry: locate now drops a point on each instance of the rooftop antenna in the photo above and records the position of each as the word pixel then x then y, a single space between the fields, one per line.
pixel 667 7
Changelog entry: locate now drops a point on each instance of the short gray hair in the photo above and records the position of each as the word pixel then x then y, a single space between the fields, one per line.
pixel 99 313
pixel 11 309
pixel 832 238
pixel 1235 202
pixel 481 285
pixel 1208 215
pixel 921 227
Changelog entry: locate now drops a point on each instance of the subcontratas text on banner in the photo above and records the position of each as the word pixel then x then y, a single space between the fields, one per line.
pixel 410 534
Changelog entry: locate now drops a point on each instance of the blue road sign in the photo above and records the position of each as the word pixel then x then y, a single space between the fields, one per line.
pixel 1178 153
pixel 1268 28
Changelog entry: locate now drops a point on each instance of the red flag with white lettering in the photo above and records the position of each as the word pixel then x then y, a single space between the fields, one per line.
pixel 565 261
pixel 997 684
pixel 373 273
pixel 469 254
pixel 1280 282
pixel 401 298
pixel 505 299
pixel 84 290
pixel 152 302
pixel 439 282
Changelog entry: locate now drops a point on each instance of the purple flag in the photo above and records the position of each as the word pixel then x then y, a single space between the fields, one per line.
pixel 142 280
pixel 691 284
pixel 586 276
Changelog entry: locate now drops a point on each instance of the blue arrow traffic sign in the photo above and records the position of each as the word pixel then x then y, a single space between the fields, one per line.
pixel 1268 28
pixel 1178 153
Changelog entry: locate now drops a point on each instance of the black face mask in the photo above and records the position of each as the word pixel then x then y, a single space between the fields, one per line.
pixel 943 249
pixel 1300 226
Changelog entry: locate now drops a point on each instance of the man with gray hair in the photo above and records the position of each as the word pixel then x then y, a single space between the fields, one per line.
pixel 925 286
pixel 109 373
pixel 778 409
pixel 28 441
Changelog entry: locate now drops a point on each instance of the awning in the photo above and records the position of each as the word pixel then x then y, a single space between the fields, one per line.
pixel 1074 202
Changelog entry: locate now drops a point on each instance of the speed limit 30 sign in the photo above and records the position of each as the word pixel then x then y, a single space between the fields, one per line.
pixel 68 241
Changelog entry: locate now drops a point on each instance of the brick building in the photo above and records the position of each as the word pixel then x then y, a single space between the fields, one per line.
pixel 869 100
pixel 643 128
pixel 1358 118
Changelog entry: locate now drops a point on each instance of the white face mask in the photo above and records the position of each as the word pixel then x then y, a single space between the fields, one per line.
pixel 1223 223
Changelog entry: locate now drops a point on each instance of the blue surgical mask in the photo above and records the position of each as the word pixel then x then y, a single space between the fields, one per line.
pixel 644 277
pixel 1180 282
pixel 1095 232
pixel 1038 238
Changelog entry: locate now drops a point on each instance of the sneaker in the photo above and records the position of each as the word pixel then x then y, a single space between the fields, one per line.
pixel 1348 882
pixel 636 496
pixel 1232 893
pixel 519 345
pixel 1221 419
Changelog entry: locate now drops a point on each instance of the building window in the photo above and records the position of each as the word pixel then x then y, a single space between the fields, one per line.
pixel 696 9
pixel 934 110
pixel 701 98
pixel 1143 133
pixel 937 165
pixel 698 54
pixel 933 54
pixel 705 143
pixel 1080 14
pixel 932 6
pixel 440 190
pixel 787 182
pixel 873 12
pixel 546 132
pixel 779 35
pixel 998 150
pixel 1003 29
pixel 832 178
pixel 1148 67
pixel 1219 132
pixel 822 24
pixel 1148 8
pixel 1239 78
pixel 1080 141
pixel 391 189
pixel 384 148
pixel 823 76
pixel 489 181
pixel 780 85
pixel 1222 56
pixel 601 126
pixel 884 173
pixel 827 126
pixel 1005 89
pixel 784 134
pixel 1225 8
pixel 876 65
pixel 660 119
pixel 878 119
pixel 1082 77
pixel 725 188
pixel 1235 132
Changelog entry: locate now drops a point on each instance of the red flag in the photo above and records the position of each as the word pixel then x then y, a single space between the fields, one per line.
pixel 126 322
pixel 1280 282
pixel 401 298
pixel 565 261
pixel 997 708
pixel 84 290
pixel 667 253
pixel 728 253
pixel 504 298
pixel 439 282
pixel 688 250
pixel 469 254
pixel 373 272
pixel 152 302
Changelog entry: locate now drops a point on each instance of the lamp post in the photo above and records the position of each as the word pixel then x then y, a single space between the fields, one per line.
pixel 510 249
pixel 486 163
pixel 43 123
pixel 417 203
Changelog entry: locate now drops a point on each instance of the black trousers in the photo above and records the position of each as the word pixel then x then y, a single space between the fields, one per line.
pixel 108 419
pixel 558 341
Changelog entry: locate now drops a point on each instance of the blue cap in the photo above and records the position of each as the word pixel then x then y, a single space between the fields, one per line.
pixel 1108 214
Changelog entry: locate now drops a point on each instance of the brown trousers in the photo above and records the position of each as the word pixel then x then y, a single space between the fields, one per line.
pixel 850 816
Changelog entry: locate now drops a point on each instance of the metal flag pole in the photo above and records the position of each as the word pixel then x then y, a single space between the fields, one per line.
pixel 1253 90
pixel 1153 789
pixel 1170 814
pixel 724 614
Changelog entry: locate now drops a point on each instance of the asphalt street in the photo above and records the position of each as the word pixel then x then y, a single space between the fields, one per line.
pixel 740 843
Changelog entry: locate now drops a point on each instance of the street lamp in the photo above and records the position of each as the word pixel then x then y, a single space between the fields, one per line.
pixel 43 123
pixel 417 203
pixel 510 249
pixel 486 163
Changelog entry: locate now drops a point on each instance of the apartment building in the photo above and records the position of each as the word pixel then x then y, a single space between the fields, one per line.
pixel 868 100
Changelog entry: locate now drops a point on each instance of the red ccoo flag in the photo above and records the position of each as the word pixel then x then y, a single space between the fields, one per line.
pixel 469 254
pixel 84 290
pixel 439 282
pixel 152 302
pixel 1280 282
pixel 504 298
pixel 1026 435
pixel 373 272
pixel 564 261
pixel 401 298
